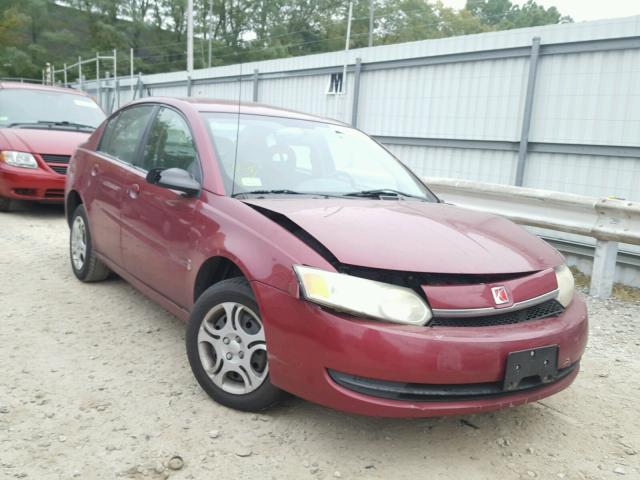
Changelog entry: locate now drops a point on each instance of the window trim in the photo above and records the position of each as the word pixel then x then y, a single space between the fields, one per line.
pixel 115 117
pixel 147 130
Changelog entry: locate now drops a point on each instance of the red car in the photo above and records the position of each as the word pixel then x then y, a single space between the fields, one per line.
pixel 307 259
pixel 40 127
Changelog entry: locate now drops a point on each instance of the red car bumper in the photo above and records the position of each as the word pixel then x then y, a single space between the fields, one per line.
pixel 31 184
pixel 306 343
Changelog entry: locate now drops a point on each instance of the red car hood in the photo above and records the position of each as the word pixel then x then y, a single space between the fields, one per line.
pixel 53 142
pixel 416 236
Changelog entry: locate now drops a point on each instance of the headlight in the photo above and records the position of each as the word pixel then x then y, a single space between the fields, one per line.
pixel 364 297
pixel 19 159
pixel 566 285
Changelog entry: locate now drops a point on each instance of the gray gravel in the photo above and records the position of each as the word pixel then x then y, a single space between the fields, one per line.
pixel 95 385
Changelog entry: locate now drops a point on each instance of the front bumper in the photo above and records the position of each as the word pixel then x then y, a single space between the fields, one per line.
pixel 31 184
pixel 307 342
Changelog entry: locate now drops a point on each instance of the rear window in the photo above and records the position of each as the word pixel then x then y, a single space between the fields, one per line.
pixel 24 106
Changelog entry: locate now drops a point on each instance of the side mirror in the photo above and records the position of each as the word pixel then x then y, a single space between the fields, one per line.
pixel 174 179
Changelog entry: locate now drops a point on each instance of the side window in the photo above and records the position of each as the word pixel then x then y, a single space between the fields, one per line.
pixel 122 134
pixel 170 144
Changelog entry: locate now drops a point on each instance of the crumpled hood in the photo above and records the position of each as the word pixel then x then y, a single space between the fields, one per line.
pixel 53 142
pixel 416 236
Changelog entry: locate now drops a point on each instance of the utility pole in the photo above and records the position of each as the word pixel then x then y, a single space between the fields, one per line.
pixel 131 70
pixel 189 37
pixel 210 28
pixel 80 73
pixel 371 8
pixel 346 49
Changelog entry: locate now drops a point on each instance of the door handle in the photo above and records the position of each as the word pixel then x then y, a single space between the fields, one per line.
pixel 94 170
pixel 134 190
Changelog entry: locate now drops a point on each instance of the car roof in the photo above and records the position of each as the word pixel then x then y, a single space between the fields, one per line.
pixel 36 86
pixel 231 106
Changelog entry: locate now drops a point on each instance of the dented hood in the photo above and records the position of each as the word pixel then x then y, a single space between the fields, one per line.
pixel 416 236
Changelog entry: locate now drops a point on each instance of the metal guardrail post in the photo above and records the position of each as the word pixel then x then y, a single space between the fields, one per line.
pixel 107 94
pixel 356 92
pixel 189 81
pixel 604 269
pixel 139 87
pixel 528 109
pixel 256 81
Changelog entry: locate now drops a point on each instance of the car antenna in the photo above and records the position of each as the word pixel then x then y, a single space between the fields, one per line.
pixel 235 160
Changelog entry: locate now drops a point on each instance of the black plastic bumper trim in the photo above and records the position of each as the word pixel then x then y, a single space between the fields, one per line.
pixel 422 392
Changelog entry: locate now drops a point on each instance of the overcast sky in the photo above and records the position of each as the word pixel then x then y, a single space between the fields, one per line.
pixel 580 10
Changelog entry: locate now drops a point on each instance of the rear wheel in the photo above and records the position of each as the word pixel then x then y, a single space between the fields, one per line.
pixel 86 266
pixel 227 348
pixel 5 204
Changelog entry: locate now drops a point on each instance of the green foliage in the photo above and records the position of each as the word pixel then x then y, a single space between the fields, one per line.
pixel 34 32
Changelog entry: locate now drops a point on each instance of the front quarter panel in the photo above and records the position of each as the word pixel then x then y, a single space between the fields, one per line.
pixel 262 249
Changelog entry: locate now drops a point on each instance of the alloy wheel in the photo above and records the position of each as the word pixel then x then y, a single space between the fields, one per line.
pixel 78 243
pixel 232 348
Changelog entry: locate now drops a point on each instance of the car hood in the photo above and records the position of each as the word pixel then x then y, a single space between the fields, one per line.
pixel 416 236
pixel 53 142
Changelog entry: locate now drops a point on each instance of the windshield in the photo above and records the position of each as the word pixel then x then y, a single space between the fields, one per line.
pixel 263 154
pixel 28 108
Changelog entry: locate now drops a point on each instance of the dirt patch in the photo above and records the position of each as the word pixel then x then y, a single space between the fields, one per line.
pixel 95 385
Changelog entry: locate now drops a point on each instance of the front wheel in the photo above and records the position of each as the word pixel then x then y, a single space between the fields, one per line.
pixel 227 348
pixel 86 266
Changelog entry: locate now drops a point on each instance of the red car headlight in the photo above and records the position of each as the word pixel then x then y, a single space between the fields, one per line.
pixel 360 296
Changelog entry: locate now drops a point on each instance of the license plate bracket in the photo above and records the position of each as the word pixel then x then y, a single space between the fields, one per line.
pixel 539 362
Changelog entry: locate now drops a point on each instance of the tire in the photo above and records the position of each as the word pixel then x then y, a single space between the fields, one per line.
pixel 84 263
pixel 5 204
pixel 216 348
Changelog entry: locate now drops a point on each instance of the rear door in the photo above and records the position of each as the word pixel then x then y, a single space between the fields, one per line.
pixel 108 168
pixel 158 231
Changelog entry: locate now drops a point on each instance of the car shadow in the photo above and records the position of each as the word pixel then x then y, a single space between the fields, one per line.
pixel 36 210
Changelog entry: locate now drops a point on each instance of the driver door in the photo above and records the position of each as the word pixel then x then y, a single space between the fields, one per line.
pixel 158 232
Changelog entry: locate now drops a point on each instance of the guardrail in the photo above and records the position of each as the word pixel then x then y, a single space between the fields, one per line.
pixel 608 220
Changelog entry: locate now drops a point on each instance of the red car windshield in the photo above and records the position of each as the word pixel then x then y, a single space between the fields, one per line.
pixel 47 109
pixel 263 154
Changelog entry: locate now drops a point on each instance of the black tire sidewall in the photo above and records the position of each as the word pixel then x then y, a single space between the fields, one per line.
pixel 232 290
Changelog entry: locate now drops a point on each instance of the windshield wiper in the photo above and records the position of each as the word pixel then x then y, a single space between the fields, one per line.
pixel 51 124
pixel 382 192
pixel 66 124
pixel 283 191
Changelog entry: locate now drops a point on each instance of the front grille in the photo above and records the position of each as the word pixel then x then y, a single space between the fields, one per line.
pixel 546 309
pixel 59 169
pixel 54 193
pixel 56 158
pixel 57 163
pixel 427 392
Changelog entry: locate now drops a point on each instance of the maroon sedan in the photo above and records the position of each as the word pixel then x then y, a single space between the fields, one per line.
pixel 307 259
pixel 40 127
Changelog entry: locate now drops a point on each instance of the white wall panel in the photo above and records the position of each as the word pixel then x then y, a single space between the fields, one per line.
pixel 482 165
pixel 589 98
pixel 473 100
pixel 585 175
pixel 309 95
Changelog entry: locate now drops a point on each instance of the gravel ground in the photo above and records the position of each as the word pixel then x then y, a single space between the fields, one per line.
pixel 95 384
